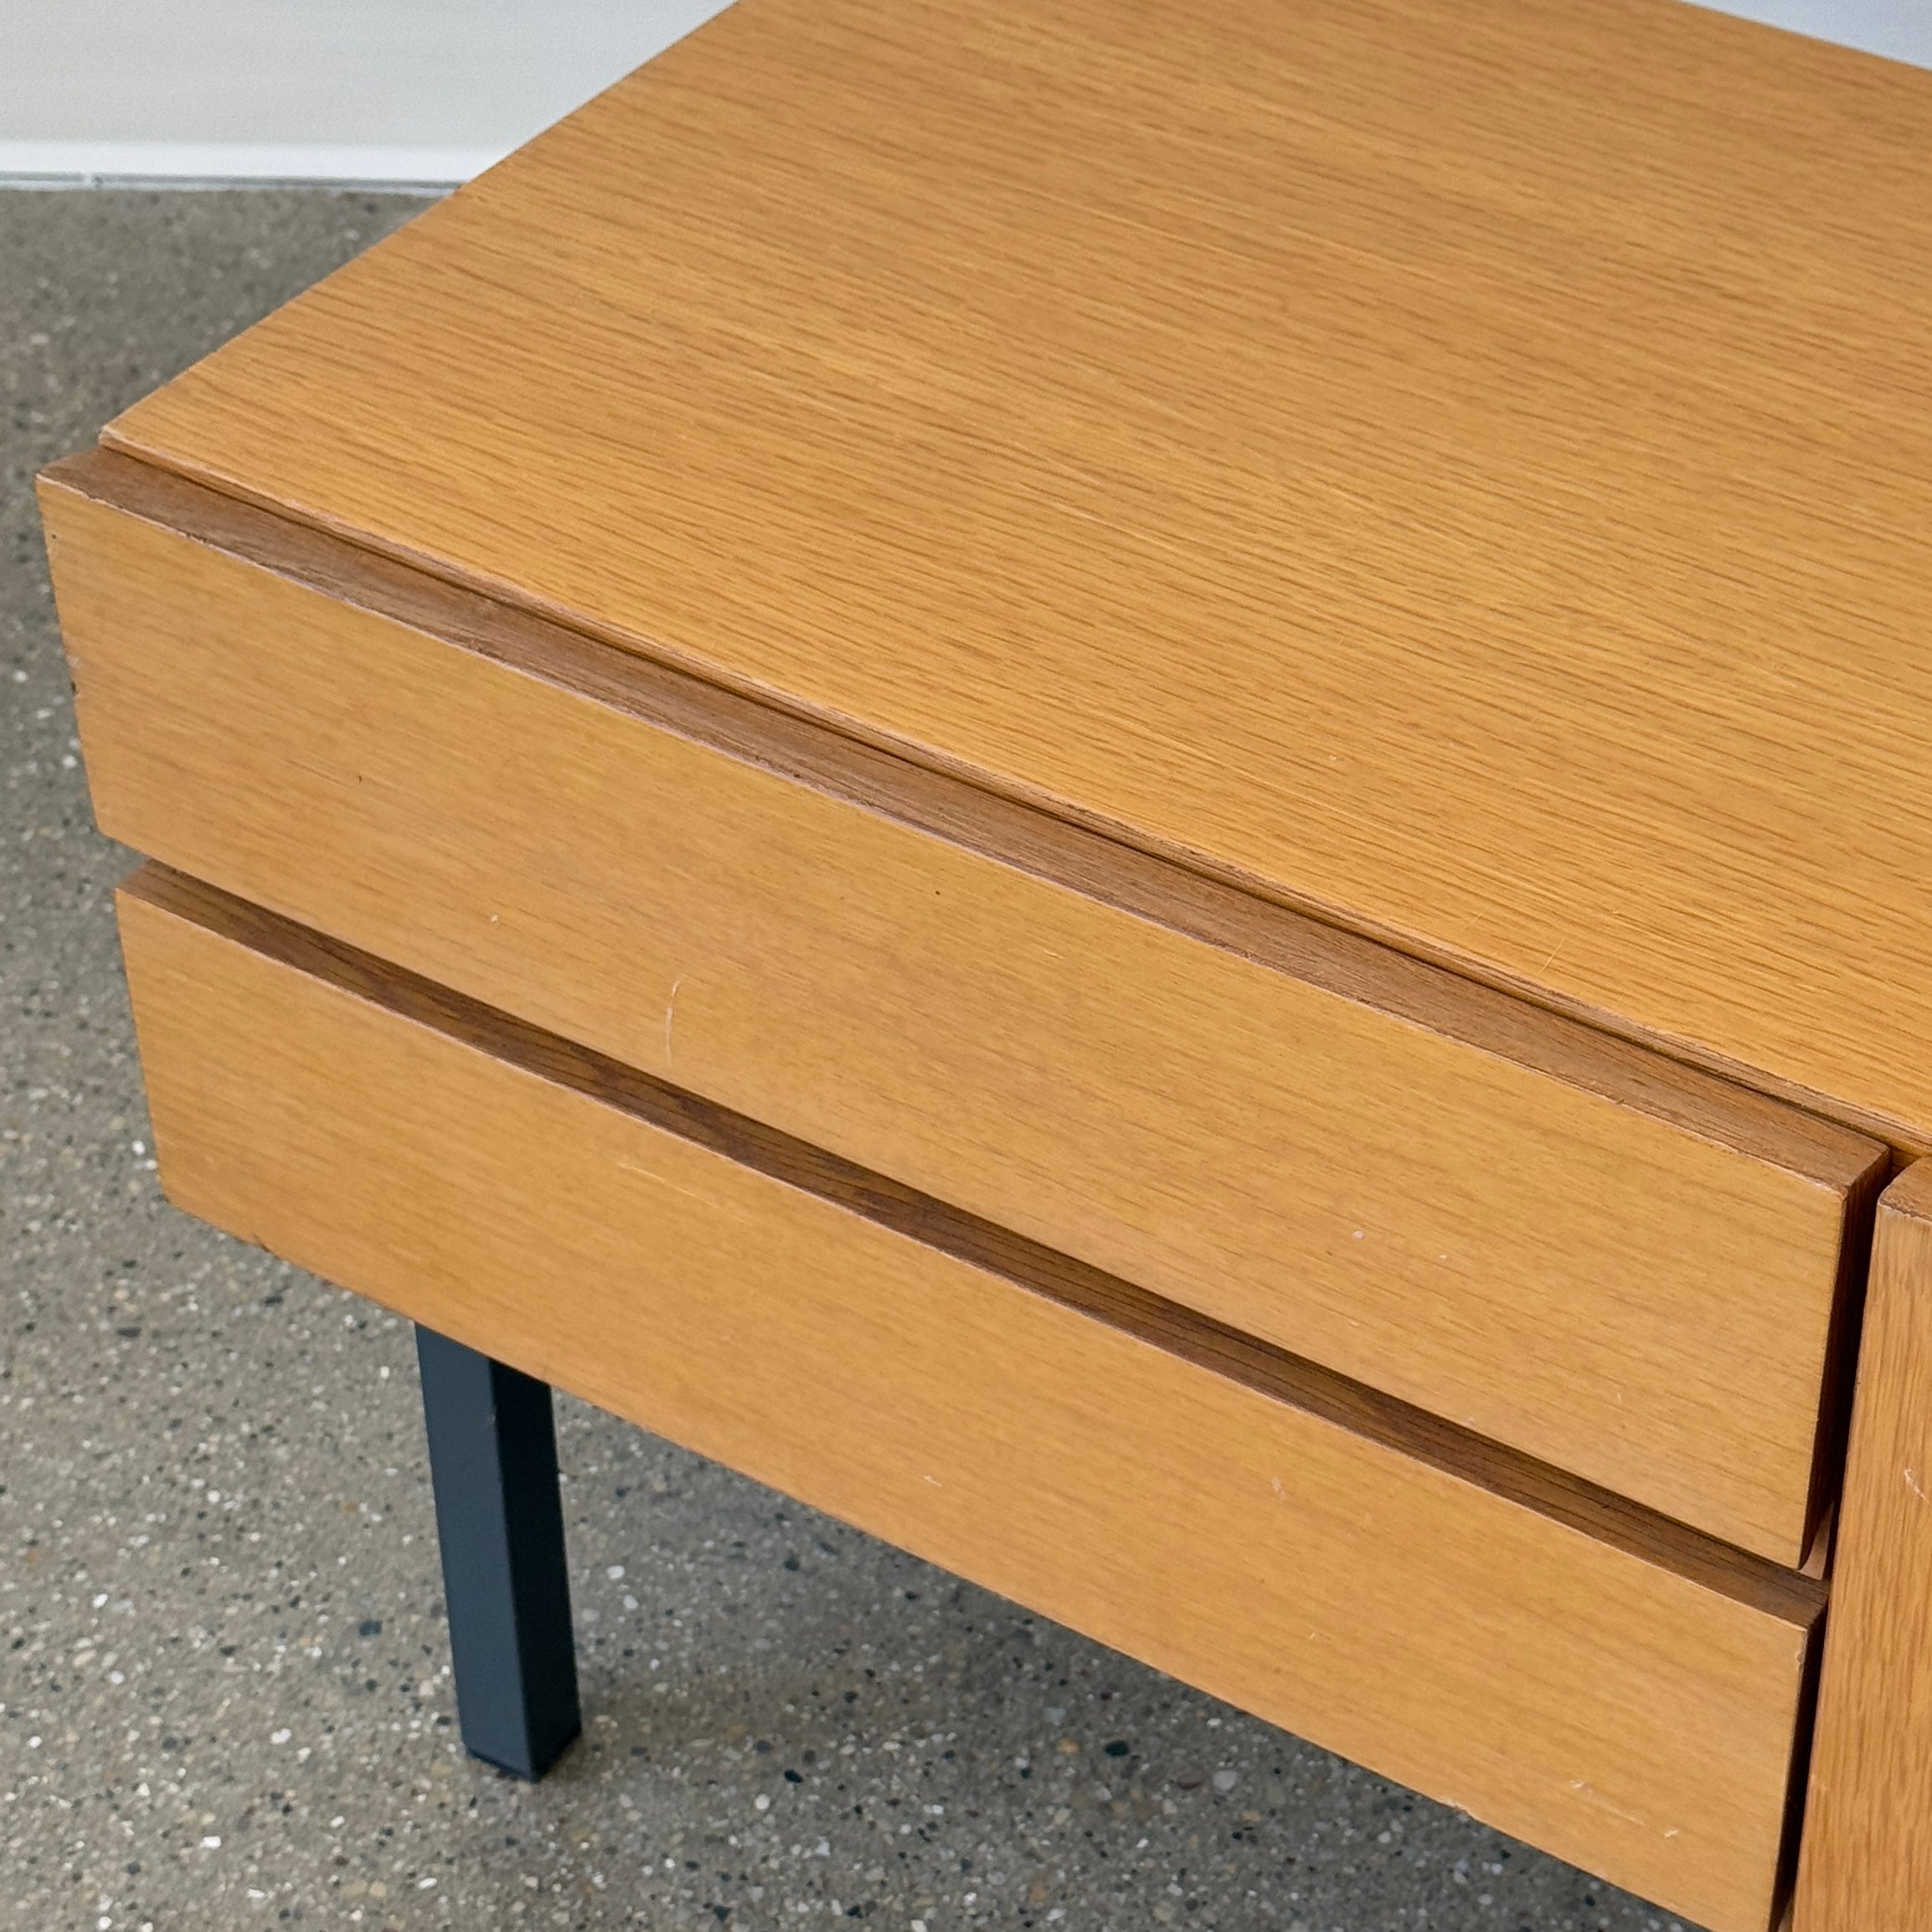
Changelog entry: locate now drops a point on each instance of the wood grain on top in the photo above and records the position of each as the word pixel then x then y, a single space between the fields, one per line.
pixel 1461 468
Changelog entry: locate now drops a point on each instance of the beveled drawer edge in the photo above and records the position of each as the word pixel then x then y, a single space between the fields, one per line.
pixel 1700 1559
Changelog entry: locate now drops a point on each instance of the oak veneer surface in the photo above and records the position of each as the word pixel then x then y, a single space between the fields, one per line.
pixel 1459 464
pixel 1867 1862
pixel 1627 1699
pixel 1614 1263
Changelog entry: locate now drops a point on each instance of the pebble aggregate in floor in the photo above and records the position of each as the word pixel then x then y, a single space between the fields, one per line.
pixel 224 1698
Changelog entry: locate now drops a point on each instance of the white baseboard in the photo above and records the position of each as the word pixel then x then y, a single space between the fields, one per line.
pixel 57 163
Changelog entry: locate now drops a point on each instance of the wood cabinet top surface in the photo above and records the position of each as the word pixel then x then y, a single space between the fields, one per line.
pixel 1462 468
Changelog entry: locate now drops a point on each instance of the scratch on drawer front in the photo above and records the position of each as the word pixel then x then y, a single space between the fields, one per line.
pixel 670 1014
pixel 1912 1484
pixel 652 1174
pixel 1598 1798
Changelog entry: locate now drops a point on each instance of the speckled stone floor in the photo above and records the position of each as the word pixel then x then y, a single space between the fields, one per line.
pixel 224 1697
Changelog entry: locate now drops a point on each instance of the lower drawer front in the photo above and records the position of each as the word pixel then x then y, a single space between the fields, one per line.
pixel 1631 1708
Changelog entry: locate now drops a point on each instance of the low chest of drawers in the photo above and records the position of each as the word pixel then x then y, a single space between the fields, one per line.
pixel 1143 790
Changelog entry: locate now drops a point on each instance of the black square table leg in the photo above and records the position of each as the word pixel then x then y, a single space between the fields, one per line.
pixel 493 1465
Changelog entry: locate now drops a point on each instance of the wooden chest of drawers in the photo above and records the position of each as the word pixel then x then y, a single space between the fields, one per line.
pixel 1184 751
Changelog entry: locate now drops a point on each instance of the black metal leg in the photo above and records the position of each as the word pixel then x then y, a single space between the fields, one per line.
pixel 493 1465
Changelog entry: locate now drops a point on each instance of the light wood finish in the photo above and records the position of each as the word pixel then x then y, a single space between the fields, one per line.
pixel 1618 1264
pixel 1867 1864
pixel 1461 463
pixel 1629 1704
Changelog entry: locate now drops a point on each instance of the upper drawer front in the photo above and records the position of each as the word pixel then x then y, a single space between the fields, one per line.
pixel 1615 1689
pixel 1554 1239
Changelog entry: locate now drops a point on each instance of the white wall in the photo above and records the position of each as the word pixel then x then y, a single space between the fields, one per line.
pixel 400 91
pixel 417 91
pixel 1901 29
